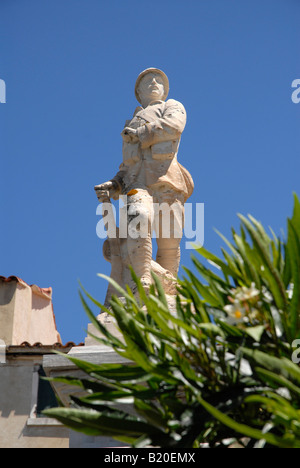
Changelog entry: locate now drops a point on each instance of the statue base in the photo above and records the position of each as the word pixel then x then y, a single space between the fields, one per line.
pixel 111 325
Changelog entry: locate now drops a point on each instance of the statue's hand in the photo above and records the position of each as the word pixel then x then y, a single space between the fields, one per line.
pixel 129 135
pixel 105 191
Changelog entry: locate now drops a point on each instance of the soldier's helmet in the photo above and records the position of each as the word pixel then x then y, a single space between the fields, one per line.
pixel 152 70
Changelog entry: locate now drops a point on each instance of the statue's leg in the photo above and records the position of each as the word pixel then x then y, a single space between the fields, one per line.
pixel 169 222
pixel 139 237
pixel 168 254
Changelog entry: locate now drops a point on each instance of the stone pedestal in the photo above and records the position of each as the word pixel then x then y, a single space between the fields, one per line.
pixel 110 324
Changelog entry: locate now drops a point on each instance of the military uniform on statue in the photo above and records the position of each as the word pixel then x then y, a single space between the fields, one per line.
pixel 151 175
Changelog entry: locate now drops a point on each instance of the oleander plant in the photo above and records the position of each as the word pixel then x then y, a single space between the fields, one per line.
pixel 221 371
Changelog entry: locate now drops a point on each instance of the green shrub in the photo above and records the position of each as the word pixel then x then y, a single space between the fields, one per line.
pixel 217 371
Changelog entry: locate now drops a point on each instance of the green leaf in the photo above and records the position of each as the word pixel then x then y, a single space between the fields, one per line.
pixel 211 329
pixel 213 258
pixel 150 413
pixel 129 326
pixel 180 323
pixel 255 332
pixel 296 215
pixel 293 247
pixel 203 291
pixel 277 380
pixel 280 408
pixel 248 255
pixel 85 384
pixel 160 290
pixel 229 329
pixel 235 263
pixel 120 290
pixel 97 303
pixel 114 372
pixel 247 430
pixel 280 366
pixel 113 340
pixel 95 423
pixel 207 274
pixel 140 287
pixel 269 271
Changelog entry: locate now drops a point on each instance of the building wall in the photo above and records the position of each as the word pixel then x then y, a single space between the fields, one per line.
pixel 7 303
pixel 26 313
pixel 19 428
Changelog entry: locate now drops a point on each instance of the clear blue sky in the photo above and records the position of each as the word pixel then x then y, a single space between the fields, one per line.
pixel 70 68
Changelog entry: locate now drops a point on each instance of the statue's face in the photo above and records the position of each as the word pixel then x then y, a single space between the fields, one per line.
pixel 151 87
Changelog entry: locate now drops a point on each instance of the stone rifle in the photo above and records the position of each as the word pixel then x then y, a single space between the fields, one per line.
pixel 111 247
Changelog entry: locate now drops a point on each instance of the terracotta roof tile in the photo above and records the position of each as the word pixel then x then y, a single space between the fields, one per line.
pixel 43 291
pixel 69 344
pixel 39 348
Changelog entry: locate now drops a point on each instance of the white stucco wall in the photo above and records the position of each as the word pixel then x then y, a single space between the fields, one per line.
pixel 17 393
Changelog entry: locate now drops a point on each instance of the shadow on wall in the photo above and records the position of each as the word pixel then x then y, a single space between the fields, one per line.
pixel 7 294
pixel 15 390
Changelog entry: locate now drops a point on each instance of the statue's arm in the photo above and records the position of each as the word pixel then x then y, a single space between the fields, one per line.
pixel 112 188
pixel 169 127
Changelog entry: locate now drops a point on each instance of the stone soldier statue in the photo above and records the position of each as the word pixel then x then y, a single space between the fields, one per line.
pixel 150 174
